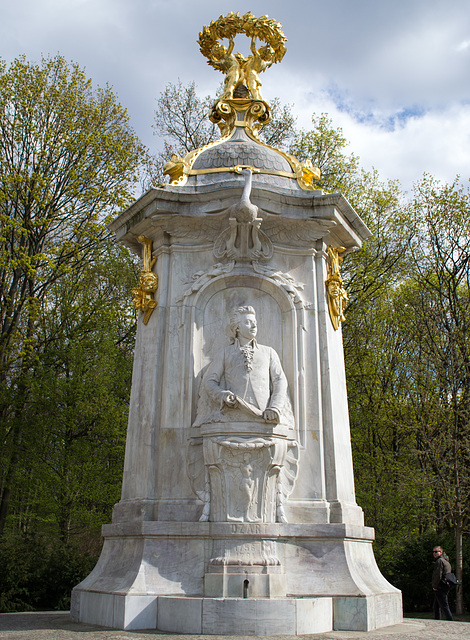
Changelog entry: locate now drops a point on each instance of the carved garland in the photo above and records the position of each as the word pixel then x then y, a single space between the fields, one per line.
pixel 229 26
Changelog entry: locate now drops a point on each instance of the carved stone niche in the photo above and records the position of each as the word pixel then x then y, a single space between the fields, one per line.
pixel 243 457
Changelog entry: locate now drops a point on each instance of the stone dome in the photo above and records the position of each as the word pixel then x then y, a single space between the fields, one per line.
pixel 240 149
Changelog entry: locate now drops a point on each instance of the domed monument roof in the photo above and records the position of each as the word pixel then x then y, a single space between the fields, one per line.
pixel 241 112
pixel 241 150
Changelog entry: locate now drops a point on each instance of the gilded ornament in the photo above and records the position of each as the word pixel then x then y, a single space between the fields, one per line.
pixel 239 70
pixel 336 293
pixel 241 104
pixel 143 296
pixel 240 112
pixel 174 168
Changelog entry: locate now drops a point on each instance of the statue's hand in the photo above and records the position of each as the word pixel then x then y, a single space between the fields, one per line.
pixel 270 415
pixel 230 399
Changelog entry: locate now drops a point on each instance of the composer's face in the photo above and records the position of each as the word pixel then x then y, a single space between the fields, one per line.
pixel 334 289
pixel 149 281
pixel 247 327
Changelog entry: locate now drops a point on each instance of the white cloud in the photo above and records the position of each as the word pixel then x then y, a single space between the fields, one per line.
pixel 437 142
pixel 393 75
pixel 463 46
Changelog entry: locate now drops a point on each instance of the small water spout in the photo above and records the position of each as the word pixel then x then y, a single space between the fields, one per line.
pixel 246 584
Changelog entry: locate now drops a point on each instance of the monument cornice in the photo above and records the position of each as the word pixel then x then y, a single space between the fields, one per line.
pixel 239 529
pixel 337 221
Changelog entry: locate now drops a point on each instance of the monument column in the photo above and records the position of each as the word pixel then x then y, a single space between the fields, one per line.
pixel 337 443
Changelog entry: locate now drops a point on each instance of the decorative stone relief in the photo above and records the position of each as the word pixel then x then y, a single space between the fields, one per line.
pixel 241 552
pixel 304 233
pixel 240 479
pixel 241 469
pixel 188 229
pixel 243 241
pixel 246 481
pixel 201 278
pixel 284 280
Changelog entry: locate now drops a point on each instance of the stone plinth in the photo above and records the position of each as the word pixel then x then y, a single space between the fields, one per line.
pixel 151 568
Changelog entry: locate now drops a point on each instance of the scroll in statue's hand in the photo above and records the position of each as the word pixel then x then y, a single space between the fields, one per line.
pixel 230 399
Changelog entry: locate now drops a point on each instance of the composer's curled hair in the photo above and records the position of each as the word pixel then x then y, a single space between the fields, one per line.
pixel 236 316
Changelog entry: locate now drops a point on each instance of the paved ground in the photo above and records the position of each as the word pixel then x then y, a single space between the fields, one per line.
pixel 59 626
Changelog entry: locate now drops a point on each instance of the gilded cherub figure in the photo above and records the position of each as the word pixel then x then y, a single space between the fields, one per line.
pixel 224 60
pixel 143 295
pixel 148 282
pixel 259 61
pixel 238 69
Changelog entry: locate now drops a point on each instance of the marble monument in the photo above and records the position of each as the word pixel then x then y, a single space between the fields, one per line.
pixel 238 511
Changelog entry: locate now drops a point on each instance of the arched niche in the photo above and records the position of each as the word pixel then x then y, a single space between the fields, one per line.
pixel 205 319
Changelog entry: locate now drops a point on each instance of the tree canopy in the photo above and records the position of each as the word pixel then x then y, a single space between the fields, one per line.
pixel 68 161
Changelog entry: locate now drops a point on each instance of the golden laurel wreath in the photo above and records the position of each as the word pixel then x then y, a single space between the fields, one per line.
pixel 229 26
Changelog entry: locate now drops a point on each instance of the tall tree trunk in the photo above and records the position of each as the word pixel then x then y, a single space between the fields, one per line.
pixel 4 504
pixel 9 476
pixel 19 411
pixel 459 568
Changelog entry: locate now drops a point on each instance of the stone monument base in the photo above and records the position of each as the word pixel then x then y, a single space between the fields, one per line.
pixel 297 579
pixel 239 616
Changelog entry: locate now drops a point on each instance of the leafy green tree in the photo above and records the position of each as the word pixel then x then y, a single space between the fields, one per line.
pixel 69 472
pixel 84 372
pixel 325 146
pixel 438 300
pixel 182 117
pixel 280 130
pixel 68 159
pixel 391 485
pixel 408 361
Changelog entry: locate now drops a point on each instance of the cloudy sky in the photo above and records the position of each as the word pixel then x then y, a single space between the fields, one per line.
pixel 394 75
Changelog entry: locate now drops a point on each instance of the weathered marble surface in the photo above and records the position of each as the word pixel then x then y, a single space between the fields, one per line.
pixel 172 559
pixel 158 558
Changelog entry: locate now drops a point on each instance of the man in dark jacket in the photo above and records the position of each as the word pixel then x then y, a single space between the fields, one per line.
pixel 441 567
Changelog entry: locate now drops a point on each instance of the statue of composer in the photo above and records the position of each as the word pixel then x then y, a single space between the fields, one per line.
pixel 245 381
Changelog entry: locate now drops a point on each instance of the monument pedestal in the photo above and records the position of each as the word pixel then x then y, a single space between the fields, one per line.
pixel 244 581
pixel 158 575
pixel 250 617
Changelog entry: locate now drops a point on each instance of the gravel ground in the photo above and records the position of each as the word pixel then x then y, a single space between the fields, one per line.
pixel 60 626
